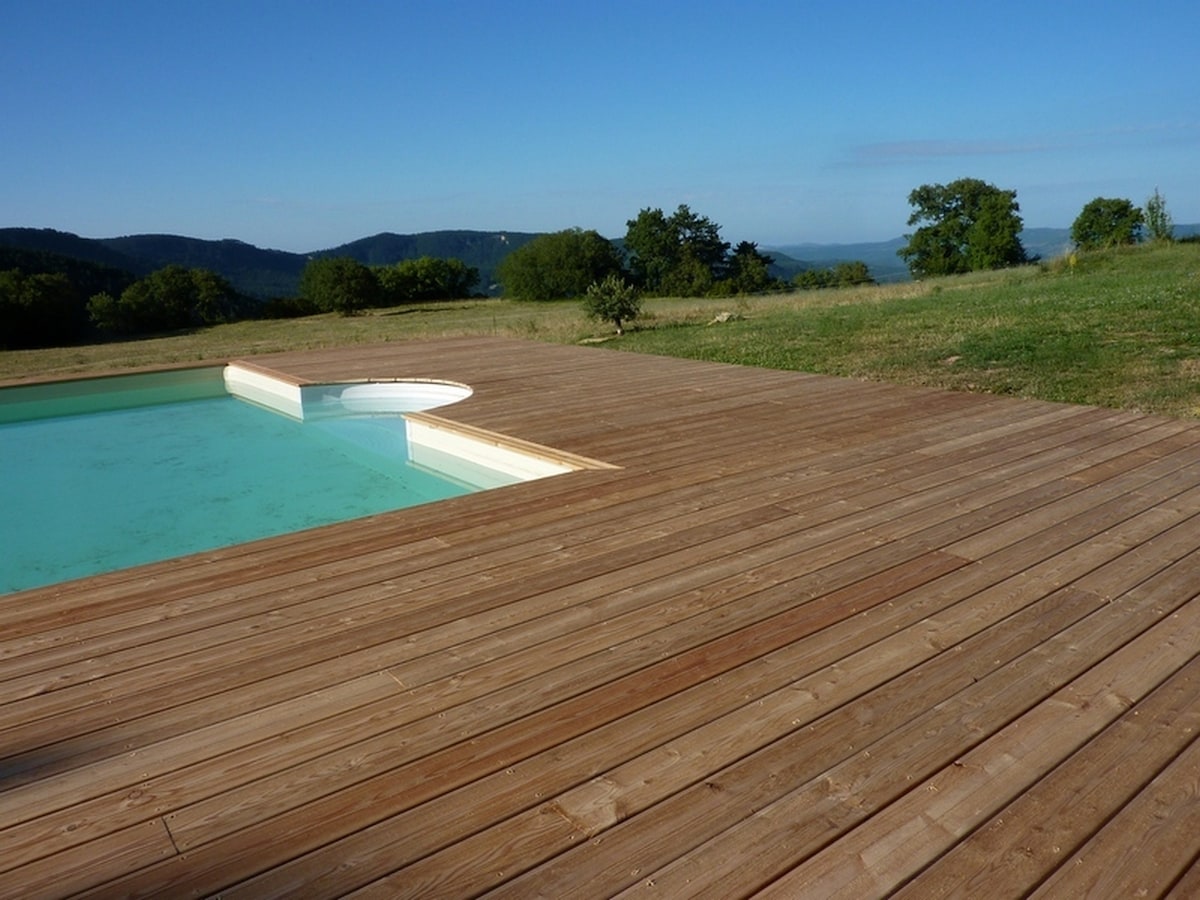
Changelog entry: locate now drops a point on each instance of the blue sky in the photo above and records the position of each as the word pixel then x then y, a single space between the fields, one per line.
pixel 303 125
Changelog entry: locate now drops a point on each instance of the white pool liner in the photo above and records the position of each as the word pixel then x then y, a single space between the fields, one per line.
pixel 51 399
pixel 471 455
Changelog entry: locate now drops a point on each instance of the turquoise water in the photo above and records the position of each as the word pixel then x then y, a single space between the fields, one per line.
pixel 90 493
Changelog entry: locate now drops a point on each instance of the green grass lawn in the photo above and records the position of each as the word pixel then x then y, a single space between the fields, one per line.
pixel 1119 329
pixel 1122 329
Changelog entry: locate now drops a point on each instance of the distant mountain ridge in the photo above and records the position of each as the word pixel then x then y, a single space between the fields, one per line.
pixel 880 257
pixel 267 273
pixel 482 249
pixel 276 273
pixel 886 265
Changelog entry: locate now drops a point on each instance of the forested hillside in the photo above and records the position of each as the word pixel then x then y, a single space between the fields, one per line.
pixel 43 294
pixel 58 288
pixel 482 250
pixel 267 273
pixel 253 271
pixel 63 243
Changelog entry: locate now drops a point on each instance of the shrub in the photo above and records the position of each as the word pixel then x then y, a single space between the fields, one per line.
pixel 612 300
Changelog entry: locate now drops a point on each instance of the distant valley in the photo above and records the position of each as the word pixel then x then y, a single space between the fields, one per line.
pixel 886 266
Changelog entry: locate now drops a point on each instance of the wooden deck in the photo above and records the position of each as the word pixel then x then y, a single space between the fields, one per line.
pixel 812 637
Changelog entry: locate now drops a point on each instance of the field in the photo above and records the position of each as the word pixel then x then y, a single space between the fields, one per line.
pixel 1118 329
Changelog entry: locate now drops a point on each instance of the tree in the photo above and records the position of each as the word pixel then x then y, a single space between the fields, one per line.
pixel 339 284
pixel 851 273
pixel 214 298
pixel 993 240
pixel 612 300
pixel 844 274
pixel 426 278
pixel 558 265
pixel 162 301
pixel 701 240
pixel 689 277
pixel 748 271
pixel 168 299
pixel 105 312
pixel 964 226
pixel 39 310
pixel 681 254
pixel 1107 222
pixel 1158 221
pixel 653 248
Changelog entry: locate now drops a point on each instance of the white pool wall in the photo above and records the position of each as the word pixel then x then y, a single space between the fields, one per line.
pixel 471 458
pixel 257 387
pixel 380 397
pixel 442 449
pixel 310 401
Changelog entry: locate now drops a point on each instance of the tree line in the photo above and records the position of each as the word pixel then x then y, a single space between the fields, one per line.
pixel 963 226
pixel 969 225
pixel 49 300
pixel 343 285
pixel 677 255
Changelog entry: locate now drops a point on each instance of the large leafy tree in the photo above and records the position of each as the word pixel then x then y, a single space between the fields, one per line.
pixel 426 278
pixel 170 298
pixel 653 247
pixel 748 271
pixel 214 299
pixel 1107 222
pixel 339 284
pixel 558 265
pixel 39 310
pixel 965 225
pixel 681 254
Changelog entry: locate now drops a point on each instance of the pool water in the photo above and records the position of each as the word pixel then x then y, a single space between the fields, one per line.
pixel 89 493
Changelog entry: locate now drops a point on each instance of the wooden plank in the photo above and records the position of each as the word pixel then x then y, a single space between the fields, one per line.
pixel 751 627
pixel 1146 847
pixel 673 670
pixel 1188 884
pixel 659 724
pixel 870 672
pixel 145 635
pixel 741 840
pixel 90 801
pixel 638 689
pixel 1024 842
pixel 894 845
pixel 202 672
pixel 81 868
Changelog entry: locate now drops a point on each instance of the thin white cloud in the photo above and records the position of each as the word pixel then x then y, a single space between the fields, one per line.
pixel 891 152
pixel 886 153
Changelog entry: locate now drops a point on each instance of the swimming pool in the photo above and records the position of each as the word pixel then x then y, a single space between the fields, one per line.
pixel 104 474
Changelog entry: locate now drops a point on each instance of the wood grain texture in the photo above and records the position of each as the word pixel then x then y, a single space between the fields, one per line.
pixel 798 636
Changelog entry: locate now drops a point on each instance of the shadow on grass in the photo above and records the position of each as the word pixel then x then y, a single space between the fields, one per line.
pixel 408 311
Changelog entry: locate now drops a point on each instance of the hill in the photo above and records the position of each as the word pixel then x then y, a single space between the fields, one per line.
pixel 89 276
pixel 879 256
pixel 72 246
pixel 253 271
pixel 276 273
pixel 265 273
pixel 482 249
pixel 886 266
